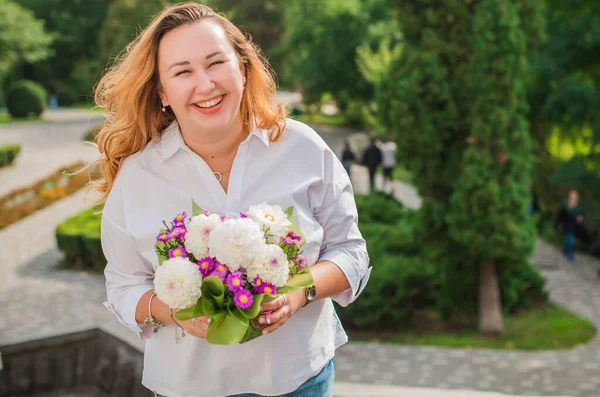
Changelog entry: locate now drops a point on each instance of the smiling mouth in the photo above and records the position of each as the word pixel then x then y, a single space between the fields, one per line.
pixel 209 104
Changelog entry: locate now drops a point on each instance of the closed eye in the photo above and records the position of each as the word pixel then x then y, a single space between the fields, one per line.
pixel 181 72
pixel 216 63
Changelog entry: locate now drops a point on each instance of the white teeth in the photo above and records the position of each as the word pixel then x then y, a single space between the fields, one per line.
pixel 209 104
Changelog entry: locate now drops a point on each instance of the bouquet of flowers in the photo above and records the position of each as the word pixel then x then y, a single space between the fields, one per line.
pixel 224 268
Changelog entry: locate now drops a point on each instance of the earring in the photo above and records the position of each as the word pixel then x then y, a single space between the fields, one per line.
pixel 163 109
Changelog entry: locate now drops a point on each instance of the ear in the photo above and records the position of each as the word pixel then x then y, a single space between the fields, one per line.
pixel 163 99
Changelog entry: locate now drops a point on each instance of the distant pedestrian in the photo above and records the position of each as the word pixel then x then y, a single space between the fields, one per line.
pixel 372 160
pixel 569 219
pixel 348 157
pixel 52 100
pixel 388 154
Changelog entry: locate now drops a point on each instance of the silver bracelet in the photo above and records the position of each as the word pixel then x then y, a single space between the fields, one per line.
pixel 151 320
pixel 176 326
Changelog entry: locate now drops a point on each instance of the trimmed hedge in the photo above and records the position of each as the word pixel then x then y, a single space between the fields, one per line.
pixel 26 98
pixel 79 239
pixel 8 153
pixel 22 202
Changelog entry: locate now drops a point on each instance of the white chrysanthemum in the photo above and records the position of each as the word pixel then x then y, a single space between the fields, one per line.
pixel 236 242
pixel 271 218
pixel 271 266
pixel 198 232
pixel 177 282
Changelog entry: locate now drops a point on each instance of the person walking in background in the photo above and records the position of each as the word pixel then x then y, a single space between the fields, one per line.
pixel 388 154
pixel 569 219
pixel 52 100
pixel 348 157
pixel 372 160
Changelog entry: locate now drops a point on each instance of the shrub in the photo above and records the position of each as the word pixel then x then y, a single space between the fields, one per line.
pixel 79 239
pixel 380 207
pixel 66 95
pixel 8 153
pixel 399 286
pixel 26 98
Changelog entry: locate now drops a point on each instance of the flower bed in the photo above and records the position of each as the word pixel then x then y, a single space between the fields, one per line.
pixel 8 153
pixel 22 202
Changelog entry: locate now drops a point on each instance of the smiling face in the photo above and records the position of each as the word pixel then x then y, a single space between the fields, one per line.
pixel 201 77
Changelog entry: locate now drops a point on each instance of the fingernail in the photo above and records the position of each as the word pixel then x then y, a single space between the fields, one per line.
pixel 265 332
pixel 261 320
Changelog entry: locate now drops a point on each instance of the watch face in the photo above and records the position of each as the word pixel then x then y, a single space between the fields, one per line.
pixel 311 293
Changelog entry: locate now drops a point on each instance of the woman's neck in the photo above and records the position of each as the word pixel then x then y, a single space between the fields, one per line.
pixel 215 145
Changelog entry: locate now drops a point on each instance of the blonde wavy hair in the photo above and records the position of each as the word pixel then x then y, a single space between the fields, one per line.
pixel 129 92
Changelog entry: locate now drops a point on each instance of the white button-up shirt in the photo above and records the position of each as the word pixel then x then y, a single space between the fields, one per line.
pixel 160 181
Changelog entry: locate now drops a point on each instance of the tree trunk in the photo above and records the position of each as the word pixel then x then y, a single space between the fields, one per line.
pixel 490 307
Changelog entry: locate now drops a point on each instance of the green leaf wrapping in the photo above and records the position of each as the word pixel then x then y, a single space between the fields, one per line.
pixel 253 310
pixel 196 209
pixel 296 282
pixel 226 329
pixel 294 226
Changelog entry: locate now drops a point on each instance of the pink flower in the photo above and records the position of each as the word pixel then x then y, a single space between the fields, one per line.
pixel 243 299
pixel 177 252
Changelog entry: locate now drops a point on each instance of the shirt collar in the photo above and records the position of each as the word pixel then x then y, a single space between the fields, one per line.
pixel 171 139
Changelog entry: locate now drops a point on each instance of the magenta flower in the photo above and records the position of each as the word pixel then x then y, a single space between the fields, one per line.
pixel 175 233
pixel 164 237
pixel 257 282
pixel 220 271
pixel 177 252
pixel 206 265
pixel 266 288
pixel 223 218
pixel 235 281
pixel 243 215
pixel 182 231
pixel 299 262
pixel 243 298
pixel 293 236
pixel 180 219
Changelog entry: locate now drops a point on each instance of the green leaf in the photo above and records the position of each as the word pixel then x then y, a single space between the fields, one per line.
pixel 294 226
pixel 226 329
pixel 186 314
pixel 253 310
pixel 214 290
pixel 251 333
pixel 294 283
pixel 196 209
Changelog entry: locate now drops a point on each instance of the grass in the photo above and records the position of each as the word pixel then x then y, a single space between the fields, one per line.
pixel 544 328
pixel 6 118
pixel 319 118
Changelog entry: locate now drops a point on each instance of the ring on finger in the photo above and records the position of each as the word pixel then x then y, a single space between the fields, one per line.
pixel 194 321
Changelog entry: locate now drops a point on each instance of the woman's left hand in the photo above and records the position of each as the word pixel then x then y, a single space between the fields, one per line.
pixel 283 307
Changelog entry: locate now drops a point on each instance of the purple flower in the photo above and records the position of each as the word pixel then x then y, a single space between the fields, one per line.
pixel 177 252
pixel 206 265
pixel 256 282
pixel 164 237
pixel 243 298
pixel 299 262
pixel 175 233
pixel 235 281
pixel 182 231
pixel 293 236
pixel 266 288
pixel 180 219
pixel 243 215
pixel 220 271
pixel 223 218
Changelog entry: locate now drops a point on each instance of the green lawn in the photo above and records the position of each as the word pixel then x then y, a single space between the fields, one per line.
pixel 545 328
pixel 319 118
pixel 5 118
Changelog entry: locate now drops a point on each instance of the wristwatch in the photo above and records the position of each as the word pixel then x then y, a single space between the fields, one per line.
pixel 310 293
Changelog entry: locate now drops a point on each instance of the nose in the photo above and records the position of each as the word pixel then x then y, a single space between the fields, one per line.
pixel 204 83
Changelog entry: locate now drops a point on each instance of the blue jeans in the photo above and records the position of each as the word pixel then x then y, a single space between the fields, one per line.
pixel 320 385
pixel 569 248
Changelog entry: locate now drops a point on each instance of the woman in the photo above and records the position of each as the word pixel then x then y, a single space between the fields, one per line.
pixel 348 157
pixel 191 114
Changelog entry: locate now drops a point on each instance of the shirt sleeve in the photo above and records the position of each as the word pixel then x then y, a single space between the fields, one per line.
pixel 343 244
pixel 128 274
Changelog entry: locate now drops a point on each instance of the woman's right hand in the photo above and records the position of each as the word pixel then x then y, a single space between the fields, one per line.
pixel 197 326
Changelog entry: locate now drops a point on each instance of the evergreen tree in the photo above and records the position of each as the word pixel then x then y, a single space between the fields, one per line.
pixel 457 105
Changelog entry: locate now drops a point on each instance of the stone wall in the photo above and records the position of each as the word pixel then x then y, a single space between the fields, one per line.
pixel 84 363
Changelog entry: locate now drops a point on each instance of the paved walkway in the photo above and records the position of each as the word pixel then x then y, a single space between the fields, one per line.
pixel 37 300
